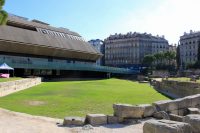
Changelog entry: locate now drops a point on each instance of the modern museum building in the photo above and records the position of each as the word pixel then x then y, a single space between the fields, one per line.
pixel 36 48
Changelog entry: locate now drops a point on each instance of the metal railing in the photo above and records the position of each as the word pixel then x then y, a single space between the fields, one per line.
pixel 68 66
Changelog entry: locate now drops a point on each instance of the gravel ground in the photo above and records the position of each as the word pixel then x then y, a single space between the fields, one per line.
pixel 13 122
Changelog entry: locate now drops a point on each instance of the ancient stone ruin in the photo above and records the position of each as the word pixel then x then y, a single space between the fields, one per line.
pixel 177 89
pixel 170 116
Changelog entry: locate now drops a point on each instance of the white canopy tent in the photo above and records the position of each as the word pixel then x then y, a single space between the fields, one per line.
pixel 4 66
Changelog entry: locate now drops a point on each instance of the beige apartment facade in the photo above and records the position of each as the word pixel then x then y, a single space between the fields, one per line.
pixel 189 48
pixel 129 50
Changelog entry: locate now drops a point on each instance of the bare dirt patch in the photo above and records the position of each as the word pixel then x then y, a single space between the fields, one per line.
pixel 36 103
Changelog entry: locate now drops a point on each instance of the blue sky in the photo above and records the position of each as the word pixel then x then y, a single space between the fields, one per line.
pixel 99 18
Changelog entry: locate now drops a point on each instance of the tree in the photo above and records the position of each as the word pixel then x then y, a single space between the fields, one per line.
pixel 159 57
pixel 170 56
pixel 2 3
pixel 3 14
pixel 148 60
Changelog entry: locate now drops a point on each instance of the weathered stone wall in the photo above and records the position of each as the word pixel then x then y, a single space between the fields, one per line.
pixel 160 73
pixel 177 89
pixel 178 106
pixel 125 112
pixel 14 86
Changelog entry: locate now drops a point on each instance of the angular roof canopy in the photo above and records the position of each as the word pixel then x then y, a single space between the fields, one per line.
pixel 18 37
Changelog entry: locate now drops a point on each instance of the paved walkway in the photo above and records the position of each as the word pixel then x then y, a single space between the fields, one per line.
pixel 12 122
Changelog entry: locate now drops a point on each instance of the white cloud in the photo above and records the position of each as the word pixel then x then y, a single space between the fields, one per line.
pixel 170 18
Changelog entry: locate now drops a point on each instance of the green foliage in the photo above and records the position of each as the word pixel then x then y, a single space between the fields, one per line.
pixel 148 59
pixel 3 14
pixel 78 98
pixel 2 3
pixel 196 65
pixel 3 17
pixel 170 55
pixel 159 59
pixel 159 56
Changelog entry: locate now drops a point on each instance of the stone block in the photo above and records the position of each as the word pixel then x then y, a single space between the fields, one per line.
pixel 161 115
pixel 75 121
pixel 197 106
pixel 162 105
pixel 132 111
pixel 174 117
pixel 173 105
pixel 182 112
pixel 96 119
pixel 128 111
pixel 149 110
pixel 173 112
pixel 195 100
pixel 194 121
pixel 166 126
pixel 193 111
pixel 184 103
pixel 114 119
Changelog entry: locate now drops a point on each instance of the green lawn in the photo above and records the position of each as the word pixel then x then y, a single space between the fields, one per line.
pixel 8 79
pixel 77 98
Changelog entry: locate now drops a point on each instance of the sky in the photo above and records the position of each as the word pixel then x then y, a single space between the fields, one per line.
pixel 97 19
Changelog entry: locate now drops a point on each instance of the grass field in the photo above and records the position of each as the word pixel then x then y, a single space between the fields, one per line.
pixel 8 79
pixel 77 98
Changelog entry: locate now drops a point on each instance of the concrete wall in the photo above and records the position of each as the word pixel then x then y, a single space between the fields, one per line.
pixel 14 86
pixel 177 89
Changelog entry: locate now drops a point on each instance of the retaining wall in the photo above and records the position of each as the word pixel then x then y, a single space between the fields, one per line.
pixel 177 89
pixel 17 85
